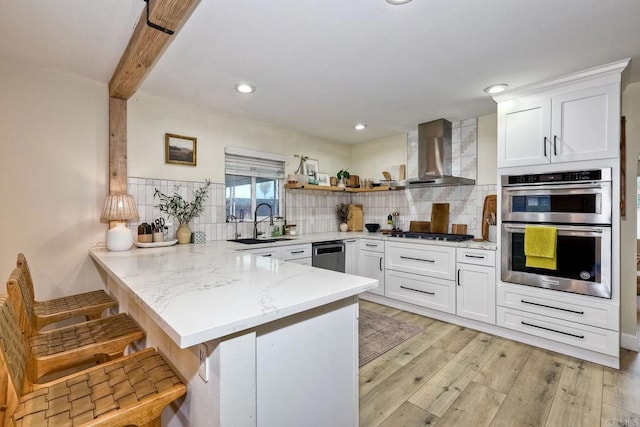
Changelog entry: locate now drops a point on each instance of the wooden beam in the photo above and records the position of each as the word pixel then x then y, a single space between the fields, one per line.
pixel 147 44
pixel 117 145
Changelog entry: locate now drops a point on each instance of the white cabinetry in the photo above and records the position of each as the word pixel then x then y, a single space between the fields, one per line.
pixel 581 321
pixel 476 280
pixel 421 274
pixel 371 262
pixel 300 254
pixel 351 256
pixel 572 118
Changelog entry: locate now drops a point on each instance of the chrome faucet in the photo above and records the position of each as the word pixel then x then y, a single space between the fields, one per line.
pixel 233 218
pixel 255 219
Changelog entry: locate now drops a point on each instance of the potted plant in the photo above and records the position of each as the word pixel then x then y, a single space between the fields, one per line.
pixel 176 206
pixel 343 175
pixel 342 213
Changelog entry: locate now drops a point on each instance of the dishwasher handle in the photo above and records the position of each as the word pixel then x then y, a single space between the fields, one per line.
pixel 328 249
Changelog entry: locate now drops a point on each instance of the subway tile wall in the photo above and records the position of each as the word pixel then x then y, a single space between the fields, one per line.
pixel 314 211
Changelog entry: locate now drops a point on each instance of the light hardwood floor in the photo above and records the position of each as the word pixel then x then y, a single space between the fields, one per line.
pixel 453 376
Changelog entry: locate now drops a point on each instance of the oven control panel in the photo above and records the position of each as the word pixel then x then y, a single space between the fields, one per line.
pixel 558 177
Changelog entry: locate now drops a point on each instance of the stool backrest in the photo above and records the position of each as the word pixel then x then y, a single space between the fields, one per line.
pixel 21 303
pixel 13 358
pixel 22 263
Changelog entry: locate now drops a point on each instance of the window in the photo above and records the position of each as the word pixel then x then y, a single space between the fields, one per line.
pixel 253 180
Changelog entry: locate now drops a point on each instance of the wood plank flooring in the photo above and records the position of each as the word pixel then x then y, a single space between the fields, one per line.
pixel 453 376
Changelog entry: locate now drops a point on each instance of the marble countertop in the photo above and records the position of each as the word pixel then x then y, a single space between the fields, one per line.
pixel 197 293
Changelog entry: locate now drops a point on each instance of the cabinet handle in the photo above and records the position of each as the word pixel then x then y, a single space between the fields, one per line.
pixel 474 256
pixel 555 137
pixel 552 330
pixel 380 263
pixel 371 245
pixel 545 146
pixel 417 290
pixel 550 306
pixel 267 255
pixel 297 252
pixel 458 277
pixel 351 240
pixel 416 259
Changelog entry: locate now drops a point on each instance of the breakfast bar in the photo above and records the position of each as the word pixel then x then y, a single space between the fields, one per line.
pixel 258 341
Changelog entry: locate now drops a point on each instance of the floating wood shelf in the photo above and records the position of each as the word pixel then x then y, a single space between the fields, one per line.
pixel 334 188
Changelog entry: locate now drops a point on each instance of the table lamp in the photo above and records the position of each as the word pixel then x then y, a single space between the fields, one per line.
pixel 121 208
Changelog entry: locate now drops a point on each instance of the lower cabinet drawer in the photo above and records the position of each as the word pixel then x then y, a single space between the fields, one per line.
pixel 559 305
pixel 578 335
pixel 425 291
pixel 296 252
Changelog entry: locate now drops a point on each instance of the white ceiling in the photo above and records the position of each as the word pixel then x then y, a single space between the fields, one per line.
pixel 322 66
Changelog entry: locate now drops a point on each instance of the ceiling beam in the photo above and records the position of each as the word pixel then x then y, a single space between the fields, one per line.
pixel 147 44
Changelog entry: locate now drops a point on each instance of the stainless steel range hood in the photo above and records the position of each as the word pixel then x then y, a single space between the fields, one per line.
pixel 434 157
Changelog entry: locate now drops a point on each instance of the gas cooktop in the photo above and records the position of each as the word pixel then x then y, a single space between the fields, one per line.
pixel 432 236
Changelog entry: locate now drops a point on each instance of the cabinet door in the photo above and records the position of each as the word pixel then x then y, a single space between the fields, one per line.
pixel 523 131
pixel 476 292
pixel 585 124
pixel 371 265
pixel 351 256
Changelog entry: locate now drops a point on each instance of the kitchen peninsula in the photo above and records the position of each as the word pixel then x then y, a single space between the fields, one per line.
pixel 258 341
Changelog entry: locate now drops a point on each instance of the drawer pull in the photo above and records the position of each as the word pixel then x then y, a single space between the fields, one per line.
pixel 264 256
pixel 474 256
pixel 416 259
pixel 417 290
pixel 552 330
pixel 550 306
pixel 371 245
pixel 297 252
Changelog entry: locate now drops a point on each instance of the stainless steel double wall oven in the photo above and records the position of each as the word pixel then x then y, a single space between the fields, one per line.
pixel 578 203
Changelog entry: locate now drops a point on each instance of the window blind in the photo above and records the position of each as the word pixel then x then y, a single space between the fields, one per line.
pixel 241 161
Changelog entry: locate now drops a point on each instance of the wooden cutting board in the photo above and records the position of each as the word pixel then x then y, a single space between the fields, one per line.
pixel 440 218
pixel 490 207
pixel 355 221
pixel 419 226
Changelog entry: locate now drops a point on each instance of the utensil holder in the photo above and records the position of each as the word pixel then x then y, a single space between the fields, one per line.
pixel 493 234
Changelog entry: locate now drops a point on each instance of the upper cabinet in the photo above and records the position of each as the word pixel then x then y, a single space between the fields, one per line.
pixel 573 118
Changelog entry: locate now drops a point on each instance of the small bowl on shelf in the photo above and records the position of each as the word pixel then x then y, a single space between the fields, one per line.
pixel 372 227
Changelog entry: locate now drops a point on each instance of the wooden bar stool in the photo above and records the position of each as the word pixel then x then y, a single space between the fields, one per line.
pixel 51 351
pixel 89 304
pixel 132 390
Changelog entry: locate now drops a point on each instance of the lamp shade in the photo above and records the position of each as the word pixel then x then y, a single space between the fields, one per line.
pixel 119 207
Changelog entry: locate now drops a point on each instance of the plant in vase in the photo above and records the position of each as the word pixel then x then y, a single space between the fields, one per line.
pixel 343 175
pixel 342 213
pixel 177 207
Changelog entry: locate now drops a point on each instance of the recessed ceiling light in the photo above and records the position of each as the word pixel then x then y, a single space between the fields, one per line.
pixel 496 88
pixel 398 1
pixel 360 126
pixel 245 88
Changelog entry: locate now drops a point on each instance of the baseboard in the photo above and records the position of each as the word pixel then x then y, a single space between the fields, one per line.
pixel 629 342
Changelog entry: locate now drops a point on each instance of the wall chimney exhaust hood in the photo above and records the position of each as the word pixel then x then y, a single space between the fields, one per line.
pixel 434 157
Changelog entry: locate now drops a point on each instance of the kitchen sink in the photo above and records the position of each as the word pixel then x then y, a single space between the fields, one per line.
pixel 251 241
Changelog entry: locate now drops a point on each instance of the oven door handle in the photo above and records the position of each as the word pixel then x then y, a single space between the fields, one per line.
pixel 578 229
pixel 546 188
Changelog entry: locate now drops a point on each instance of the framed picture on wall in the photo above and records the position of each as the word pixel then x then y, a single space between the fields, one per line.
pixel 179 149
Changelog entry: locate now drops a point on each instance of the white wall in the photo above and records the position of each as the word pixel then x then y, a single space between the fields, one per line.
pixel 370 159
pixel 628 226
pixel 53 174
pixel 487 149
pixel 149 118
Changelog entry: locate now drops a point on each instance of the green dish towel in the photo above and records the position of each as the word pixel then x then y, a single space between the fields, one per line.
pixel 540 246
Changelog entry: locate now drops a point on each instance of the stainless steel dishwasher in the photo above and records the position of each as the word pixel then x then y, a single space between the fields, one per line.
pixel 328 255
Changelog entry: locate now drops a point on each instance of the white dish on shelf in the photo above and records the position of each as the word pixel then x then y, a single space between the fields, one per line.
pixel 155 244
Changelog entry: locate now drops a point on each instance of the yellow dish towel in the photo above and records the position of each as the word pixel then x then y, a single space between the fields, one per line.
pixel 540 246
